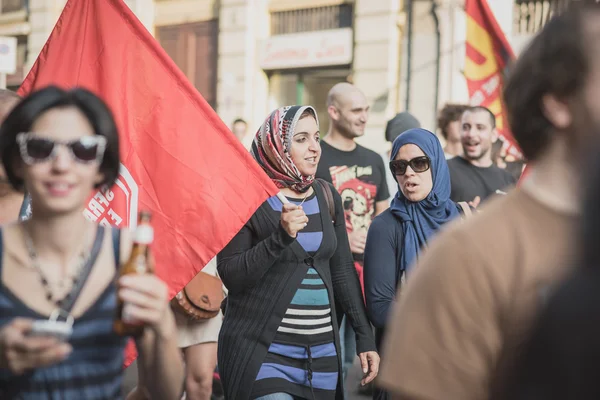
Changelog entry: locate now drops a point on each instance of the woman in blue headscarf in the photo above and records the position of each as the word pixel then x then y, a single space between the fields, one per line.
pixel 421 206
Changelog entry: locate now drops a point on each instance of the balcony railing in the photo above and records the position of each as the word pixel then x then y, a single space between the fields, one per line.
pixel 8 6
pixel 311 19
pixel 531 15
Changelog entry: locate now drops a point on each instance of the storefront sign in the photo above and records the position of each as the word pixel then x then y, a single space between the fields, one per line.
pixel 308 49
pixel 8 55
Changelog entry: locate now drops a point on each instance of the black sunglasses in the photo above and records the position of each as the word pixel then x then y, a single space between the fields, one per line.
pixel 417 164
pixel 35 149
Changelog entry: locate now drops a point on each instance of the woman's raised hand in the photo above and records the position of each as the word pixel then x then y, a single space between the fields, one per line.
pixel 293 219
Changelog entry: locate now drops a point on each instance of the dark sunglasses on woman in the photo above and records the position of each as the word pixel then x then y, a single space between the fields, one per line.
pixel 417 164
pixel 36 149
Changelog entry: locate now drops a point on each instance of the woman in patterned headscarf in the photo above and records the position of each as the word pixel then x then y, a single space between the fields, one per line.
pixel 284 271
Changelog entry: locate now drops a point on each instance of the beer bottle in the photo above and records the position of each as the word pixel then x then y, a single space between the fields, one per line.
pixel 138 263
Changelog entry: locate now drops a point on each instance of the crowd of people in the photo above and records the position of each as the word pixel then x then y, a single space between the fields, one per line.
pixel 426 255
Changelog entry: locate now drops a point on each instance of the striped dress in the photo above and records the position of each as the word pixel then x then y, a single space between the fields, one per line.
pixel 92 371
pixel 302 359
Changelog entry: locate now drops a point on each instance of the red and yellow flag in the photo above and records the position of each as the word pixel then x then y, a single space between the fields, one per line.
pixel 488 54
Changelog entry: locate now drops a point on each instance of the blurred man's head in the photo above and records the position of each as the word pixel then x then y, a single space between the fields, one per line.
pixel 399 124
pixel 239 128
pixel 449 122
pixel 552 91
pixel 8 100
pixel 348 110
pixel 478 134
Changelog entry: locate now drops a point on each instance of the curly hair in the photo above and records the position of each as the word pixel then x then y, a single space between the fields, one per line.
pixel 449 114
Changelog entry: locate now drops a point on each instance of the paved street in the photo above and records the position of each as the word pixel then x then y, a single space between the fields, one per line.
pixel 353 382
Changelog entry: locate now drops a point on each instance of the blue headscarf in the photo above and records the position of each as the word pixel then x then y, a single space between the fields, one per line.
pixel 422 219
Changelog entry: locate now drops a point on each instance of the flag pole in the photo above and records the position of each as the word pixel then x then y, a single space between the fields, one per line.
pixel 282 198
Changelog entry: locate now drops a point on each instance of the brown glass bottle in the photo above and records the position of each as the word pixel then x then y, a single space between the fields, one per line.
pixel 138 263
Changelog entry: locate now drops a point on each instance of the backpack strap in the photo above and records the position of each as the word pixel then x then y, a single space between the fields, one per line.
pixel 326 189
pixel 466 209
pixel 116 239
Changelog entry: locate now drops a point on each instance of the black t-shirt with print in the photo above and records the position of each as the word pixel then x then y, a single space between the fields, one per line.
pixel 359 177
pixel 469 181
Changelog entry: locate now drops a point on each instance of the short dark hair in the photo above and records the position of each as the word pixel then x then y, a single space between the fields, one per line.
pixel 25 114
pixel 399 124
pixel 556 62
pixel 450 113
pixel 239 120
pixel 483 109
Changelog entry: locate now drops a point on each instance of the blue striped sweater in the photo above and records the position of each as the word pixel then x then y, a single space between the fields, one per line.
pixel 302 359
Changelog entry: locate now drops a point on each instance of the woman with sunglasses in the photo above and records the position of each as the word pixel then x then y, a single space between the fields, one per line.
pixel 59 268
pixel 418 211
pixel 284 271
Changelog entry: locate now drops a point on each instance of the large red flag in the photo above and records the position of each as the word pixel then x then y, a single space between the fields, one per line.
pixel 488 54
pixel 524 174
pixel 178 158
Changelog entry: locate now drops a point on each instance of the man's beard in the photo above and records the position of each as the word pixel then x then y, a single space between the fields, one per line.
pixel 347 132
pixel 477 157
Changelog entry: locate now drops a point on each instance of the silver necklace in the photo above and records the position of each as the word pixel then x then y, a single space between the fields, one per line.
pixel 73 279
pixel 304 199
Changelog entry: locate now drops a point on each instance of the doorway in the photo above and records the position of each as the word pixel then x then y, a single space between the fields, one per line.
pixel 308 88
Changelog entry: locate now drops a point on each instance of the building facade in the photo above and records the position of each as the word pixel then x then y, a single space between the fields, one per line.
pixel 248 57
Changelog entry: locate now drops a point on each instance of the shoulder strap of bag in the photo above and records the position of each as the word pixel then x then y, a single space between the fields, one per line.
pixel 25 211
pixel 466 209
pixel 116 238
pixel 328 197
pixel 85 273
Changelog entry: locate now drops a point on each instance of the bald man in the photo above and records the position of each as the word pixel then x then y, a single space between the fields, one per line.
pixel 12 205
pixel 359 176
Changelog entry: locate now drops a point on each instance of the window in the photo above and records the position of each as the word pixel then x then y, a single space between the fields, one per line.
pixel 311 19
pixel 8 6
pixel 193 47
pixel 13 81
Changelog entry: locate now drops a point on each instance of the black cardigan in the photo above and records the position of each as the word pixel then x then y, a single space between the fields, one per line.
pixel 262 267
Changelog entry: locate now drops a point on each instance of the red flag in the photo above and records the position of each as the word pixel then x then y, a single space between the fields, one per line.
pixel 178 158
pixel 488 54
pixel 524 174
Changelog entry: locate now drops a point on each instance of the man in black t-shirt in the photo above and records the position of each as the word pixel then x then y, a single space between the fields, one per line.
pixel 356 172
pixel 474 176
pixel 359 176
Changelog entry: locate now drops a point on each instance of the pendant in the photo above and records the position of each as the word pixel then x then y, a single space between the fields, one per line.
pixel 59 313
pixel 61 330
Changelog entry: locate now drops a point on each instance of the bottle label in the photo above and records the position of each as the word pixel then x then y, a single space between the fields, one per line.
pixel 144 234
pixel 141 264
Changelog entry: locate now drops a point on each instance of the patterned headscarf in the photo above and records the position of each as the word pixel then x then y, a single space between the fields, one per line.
pixel 272 145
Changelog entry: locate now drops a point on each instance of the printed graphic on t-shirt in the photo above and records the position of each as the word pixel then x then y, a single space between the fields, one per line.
pixel 358 197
